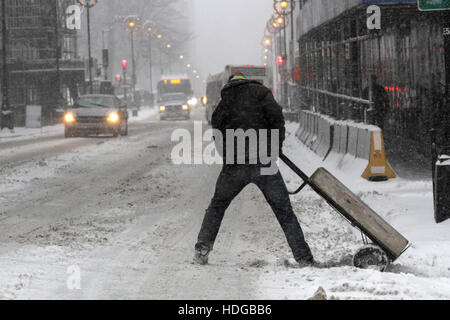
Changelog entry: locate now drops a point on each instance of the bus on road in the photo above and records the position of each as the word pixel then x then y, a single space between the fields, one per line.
pixel 175 84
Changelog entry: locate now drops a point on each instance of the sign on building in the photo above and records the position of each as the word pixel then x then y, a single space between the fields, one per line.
pixel 426 5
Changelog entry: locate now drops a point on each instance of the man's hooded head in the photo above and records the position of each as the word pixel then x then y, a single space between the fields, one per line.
pixel 237 76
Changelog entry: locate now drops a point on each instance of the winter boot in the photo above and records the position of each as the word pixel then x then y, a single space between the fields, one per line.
pixel 201 257
pixel 311 263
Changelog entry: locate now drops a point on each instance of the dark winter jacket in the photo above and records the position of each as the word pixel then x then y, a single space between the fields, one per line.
pixel 248 105
pixel 380 103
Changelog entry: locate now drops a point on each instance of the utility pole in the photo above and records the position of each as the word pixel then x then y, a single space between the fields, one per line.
pixel 6 114
pixel 57 52
pixel 134 66
pixel 132 25
pixel 446 34
pixel 105 56
pixel 88 4
pixel 150 64
pixel 160 59
pixel 88 7
pixel 285 71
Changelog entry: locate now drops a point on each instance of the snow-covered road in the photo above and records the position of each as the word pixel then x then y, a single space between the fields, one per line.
pixel 121 214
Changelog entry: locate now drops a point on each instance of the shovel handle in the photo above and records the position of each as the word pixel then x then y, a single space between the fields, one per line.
pixel 294 168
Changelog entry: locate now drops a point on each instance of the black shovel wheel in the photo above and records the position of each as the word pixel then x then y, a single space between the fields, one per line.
pixel 371 257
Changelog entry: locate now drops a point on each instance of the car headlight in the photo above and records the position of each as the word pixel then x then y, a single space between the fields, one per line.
pixel 162 108
pixel 113 117
pixel 185 107
pixel 193 102
pixel 69 117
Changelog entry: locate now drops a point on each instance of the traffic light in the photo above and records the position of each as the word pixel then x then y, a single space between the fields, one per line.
pixel 280 61
pixel 118 78
pixel 124 64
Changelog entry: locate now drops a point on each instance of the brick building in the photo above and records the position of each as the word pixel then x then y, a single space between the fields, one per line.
pixel 36 46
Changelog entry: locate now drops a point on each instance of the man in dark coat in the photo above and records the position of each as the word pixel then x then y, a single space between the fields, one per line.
pixel 249 105
pixel 380 102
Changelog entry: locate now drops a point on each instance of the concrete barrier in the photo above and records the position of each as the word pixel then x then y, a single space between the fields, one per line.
pixel 325 140
pixel 306 132
pixel 352 141
pixel 347 140
pixel 364 141
pixel 302 126
pixel 315 130
pixel 312 136
pixel 336 138
pixel 343 139
pixel 319 134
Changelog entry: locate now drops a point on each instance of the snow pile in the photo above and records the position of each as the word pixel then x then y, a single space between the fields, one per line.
pixel 21 133
pixel 144 114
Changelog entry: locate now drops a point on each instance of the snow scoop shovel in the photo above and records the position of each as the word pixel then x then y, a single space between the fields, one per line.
pixel 387 243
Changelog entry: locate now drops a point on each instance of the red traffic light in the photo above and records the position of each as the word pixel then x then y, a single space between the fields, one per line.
pixel 280 61
pixel 124 64
pixel 118 78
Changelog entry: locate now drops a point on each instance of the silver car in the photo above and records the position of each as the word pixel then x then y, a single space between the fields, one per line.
pixel 96 114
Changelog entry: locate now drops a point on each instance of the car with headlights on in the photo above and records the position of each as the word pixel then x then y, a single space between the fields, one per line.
pixel 174 105
pixel 96 114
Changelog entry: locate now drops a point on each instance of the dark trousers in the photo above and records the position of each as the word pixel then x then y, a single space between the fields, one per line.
pixel 231 181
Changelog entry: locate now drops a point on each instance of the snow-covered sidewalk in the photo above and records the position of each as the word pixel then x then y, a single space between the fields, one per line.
pixel 22 133
pixel 422 272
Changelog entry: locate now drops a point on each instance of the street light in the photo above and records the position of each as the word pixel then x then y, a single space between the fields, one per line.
pixel 88 4
pixel 149 32
pixel 284 7
pixel 159 36
pixel 280 20
pixel 169 56
pixel 132 24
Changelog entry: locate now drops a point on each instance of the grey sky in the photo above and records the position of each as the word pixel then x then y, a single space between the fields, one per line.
pixel 228 32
